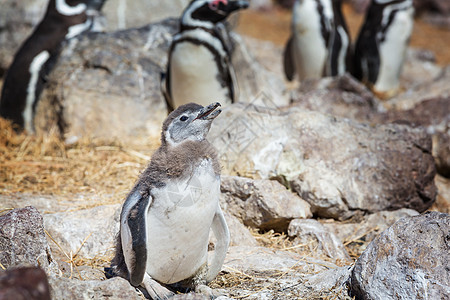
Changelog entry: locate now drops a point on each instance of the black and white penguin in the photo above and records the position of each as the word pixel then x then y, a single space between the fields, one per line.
pixel 166 218
pixel 381 45
pixel 199 60
pixel 25 78
pixel 320 44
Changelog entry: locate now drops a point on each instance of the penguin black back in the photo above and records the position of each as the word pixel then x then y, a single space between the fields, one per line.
pixel 36 57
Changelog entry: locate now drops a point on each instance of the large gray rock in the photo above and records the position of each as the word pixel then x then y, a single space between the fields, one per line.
pixel 338 166
pixel 115 288
pixel 410 260
pixel 23 240
pixel 108 84
pixel 263 204
pixel 28 283
pixel 369 227
pixel 97 227
pixel 318 239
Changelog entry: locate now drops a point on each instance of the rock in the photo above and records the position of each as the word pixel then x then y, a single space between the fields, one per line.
pixel 251 260
pixel 121 69
pixel 23 240
pixel 131 14
pixel 24 284
pixel 88 232
pixel 115 288
pixel 342 96
pixel 357 235
pixel 437 88
pixel 239 234
pixel 433 115
pixel 257 85
pixel 326 283
pixel 263 204
pixel 318 239
pixel 442 203
pixel 419 69
pixel 410 260
pixel 337 165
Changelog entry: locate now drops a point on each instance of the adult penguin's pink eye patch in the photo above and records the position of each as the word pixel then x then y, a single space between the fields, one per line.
pixel 215 3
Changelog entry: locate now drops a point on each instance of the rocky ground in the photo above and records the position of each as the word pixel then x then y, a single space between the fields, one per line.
pixel 327 190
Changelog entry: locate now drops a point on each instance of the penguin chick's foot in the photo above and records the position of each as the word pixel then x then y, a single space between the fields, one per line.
pixel 209 292
pixel 156 290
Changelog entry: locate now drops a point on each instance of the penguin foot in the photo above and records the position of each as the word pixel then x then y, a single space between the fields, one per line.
pixel 209 292
pixel 156 290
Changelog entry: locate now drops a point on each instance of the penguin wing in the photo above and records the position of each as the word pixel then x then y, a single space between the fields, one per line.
pixel 133 233
pixel 165 88
pixel 234 87
pixel 288 60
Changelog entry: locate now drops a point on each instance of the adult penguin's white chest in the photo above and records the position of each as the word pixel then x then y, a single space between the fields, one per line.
pixel 195 74
pixel 178 224
pixel 310 49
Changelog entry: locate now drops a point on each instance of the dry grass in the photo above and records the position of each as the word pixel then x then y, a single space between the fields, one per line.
pixel 45 165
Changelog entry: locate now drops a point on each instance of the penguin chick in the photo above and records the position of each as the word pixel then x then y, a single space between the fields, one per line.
pixel 25 78
pixel 199 59
pixel 320 43
pixel 382 43
pixel 166 218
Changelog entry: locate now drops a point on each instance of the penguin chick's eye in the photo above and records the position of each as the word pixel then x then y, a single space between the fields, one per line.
pixel 213 5
pixel 183 118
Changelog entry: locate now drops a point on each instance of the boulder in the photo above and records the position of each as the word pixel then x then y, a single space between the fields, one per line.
pixel 369 227
pixel 26 283
pixel 88 232
pixel 239 233
pixel 263 204
pixel 318 239
pixel 23 240
pixel 442 203
pixel 340 167
pixel 115 288
pixel 410 260
pixel 108 84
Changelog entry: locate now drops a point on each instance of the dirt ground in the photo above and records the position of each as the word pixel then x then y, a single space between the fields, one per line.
pixel 275 26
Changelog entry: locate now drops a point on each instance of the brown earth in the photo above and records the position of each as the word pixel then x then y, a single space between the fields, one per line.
pixel 274 26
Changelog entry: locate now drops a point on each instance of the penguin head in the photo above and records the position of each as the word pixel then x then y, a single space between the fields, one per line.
pixel 206 13
pixel 189 122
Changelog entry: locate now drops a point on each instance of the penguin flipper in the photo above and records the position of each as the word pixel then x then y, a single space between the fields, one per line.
pixel 165 84
pixel 222 234
pixel 133 233
pixel 288 60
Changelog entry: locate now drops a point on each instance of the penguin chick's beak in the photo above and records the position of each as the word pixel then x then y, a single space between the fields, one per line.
pixel 209 112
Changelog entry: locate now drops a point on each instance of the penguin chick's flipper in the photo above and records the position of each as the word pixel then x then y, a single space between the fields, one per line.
pixel 220 230
pixel 156 290
pixel 133 233
pixel 288 60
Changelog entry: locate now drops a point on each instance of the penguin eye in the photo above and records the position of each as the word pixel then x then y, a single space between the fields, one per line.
pixel 214 5
pixel 183 118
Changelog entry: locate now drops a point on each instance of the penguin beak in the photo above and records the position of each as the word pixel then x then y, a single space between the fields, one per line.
pixel 209 112
pixel 236 5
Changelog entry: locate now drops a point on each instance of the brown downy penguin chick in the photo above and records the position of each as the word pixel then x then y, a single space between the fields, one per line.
pixel 166 218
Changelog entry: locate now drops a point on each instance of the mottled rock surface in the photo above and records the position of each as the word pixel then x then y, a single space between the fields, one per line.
pixel 88 232
pixel 410 260
pixel 115 288
pixel 29 283
pixel 337 165
pixel 263 204
pixel 318 240
pixel 23 240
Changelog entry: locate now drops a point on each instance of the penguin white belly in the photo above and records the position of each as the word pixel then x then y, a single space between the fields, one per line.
pixel 194 75
pixel 310 51
pixel 178 224
pixel 392 52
